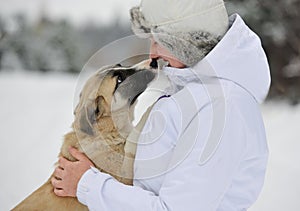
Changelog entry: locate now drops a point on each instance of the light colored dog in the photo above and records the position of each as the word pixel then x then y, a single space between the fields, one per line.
pixel 102 130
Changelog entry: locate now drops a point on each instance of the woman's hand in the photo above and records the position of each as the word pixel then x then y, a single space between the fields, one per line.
pixel 67 174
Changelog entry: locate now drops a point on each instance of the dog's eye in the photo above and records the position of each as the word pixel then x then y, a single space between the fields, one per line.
pixel 120 79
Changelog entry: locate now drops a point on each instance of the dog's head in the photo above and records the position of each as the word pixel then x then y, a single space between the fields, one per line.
pixel 109 93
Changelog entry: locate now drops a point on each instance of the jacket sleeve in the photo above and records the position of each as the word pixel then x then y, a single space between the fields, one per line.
pixel 100 191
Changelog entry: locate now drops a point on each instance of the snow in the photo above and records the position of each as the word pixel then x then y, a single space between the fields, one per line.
pixel 282 186
pixel 36 110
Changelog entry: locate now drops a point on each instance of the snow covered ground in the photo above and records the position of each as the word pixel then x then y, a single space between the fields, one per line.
pixel 36 110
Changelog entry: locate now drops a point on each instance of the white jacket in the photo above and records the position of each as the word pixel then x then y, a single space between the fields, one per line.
pixel 206 149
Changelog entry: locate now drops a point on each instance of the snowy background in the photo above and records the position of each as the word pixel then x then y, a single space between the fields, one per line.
pixel 44 45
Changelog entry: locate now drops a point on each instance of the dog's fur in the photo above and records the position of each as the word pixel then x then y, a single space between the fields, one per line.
pixel 101 129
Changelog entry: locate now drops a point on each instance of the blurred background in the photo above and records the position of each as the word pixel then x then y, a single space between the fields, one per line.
pixel 44 45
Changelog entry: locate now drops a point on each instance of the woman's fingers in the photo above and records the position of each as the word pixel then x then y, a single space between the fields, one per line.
pixel 77 154
pixel 67 175
pixel 60 192
pixel 58 172
pixel 62 162
pixel 56 183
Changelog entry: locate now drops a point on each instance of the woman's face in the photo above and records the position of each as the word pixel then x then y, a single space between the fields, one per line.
pixel 157 51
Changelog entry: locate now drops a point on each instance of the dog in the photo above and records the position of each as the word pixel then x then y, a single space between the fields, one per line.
pixel 102 129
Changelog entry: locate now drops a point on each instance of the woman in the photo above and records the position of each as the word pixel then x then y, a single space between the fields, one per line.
pixel 212 153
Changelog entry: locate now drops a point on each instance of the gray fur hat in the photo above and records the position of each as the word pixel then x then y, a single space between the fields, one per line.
pixel 185 33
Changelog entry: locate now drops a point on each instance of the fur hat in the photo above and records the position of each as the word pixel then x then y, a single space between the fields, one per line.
pixel 189 29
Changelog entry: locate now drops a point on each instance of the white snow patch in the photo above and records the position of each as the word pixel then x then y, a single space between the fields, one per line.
pixel 282 185
pixel 35 112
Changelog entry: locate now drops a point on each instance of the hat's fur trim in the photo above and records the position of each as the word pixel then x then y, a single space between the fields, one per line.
pixel 188 47
pixel 139 25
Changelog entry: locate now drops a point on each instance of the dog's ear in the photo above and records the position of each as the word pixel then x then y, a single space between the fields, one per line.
pixel 87 118
pixel 92 112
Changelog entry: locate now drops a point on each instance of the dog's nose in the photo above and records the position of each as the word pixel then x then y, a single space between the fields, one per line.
pixel 154 64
